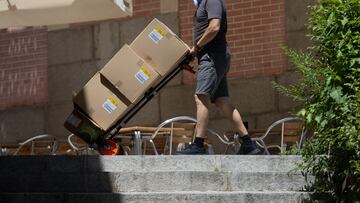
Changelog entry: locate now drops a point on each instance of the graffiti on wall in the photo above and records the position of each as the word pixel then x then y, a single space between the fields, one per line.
pixel 23 45
pixel 20 79
pixel 20 84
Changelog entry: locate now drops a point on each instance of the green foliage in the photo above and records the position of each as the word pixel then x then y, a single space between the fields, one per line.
pixel 330 91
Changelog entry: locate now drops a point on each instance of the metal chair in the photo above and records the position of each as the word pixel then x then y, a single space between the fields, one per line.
pixel 78 146
pixel 292 132
pixel 233 138
pixel 47 143
pixel 181 133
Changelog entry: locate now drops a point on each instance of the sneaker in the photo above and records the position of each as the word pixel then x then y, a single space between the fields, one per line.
pixel 191 149
pixel 248 148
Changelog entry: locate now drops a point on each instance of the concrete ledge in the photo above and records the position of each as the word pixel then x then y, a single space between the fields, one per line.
pixel 114 182
pixel 209 163
pixel 151 182
pixel 159 197
pixel 155 175
pixel 267 181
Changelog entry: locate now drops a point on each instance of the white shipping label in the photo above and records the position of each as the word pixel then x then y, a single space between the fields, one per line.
pixel 156 35
pixel 110 105
pixel 142 75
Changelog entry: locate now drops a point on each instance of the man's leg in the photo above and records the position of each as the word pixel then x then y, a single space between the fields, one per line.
pixel 232 114
pixel 202 114
pixel 206 84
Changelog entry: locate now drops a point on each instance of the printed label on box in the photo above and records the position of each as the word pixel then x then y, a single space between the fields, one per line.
pixel 110 105
pixel 157 34
pixel 146 71
pixel 143 75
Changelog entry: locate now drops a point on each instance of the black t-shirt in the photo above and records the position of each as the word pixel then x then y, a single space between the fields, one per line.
pixel 207 10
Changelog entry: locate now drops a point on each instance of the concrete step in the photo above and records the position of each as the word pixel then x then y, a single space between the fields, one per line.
pixel 150 181
pixel 106 174
pixel 217 163
pixel 157 197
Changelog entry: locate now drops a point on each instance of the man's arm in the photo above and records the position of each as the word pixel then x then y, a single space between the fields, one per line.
pixel 209 34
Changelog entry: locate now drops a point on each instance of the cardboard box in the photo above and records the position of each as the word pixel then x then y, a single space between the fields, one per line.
pixel 101 103
pixel 82 126
pixel 160 47
pixel 130 74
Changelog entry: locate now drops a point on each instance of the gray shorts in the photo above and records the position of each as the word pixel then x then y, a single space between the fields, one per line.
pixel 211 78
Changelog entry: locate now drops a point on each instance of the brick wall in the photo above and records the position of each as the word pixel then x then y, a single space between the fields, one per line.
pixel 23 67
pixel 256 29
pixel 146 7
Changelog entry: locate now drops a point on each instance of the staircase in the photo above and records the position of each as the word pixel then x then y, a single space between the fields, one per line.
pixel 134 179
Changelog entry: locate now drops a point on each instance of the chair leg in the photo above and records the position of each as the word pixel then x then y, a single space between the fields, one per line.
pixel 137 143
pixel 232 147
pixel 32 152
pixel 153 146
pixel 265 147
pixel 237 143
pixel 227 148
pixel 166 147
pixel 210 149
pixel 170 145
pixel 127 150
pixel 144 147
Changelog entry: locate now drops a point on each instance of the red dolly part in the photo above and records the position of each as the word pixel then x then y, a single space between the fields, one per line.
pixel 110 147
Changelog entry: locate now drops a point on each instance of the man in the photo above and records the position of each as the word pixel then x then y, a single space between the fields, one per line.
pixel 210 48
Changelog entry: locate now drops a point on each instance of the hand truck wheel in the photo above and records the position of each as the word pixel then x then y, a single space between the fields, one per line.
pixel 110 147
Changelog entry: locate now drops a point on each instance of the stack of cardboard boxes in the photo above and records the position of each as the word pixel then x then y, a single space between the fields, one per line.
pixel 123 81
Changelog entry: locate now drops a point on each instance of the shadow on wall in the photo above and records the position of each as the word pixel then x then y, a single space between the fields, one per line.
pixel 56 179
